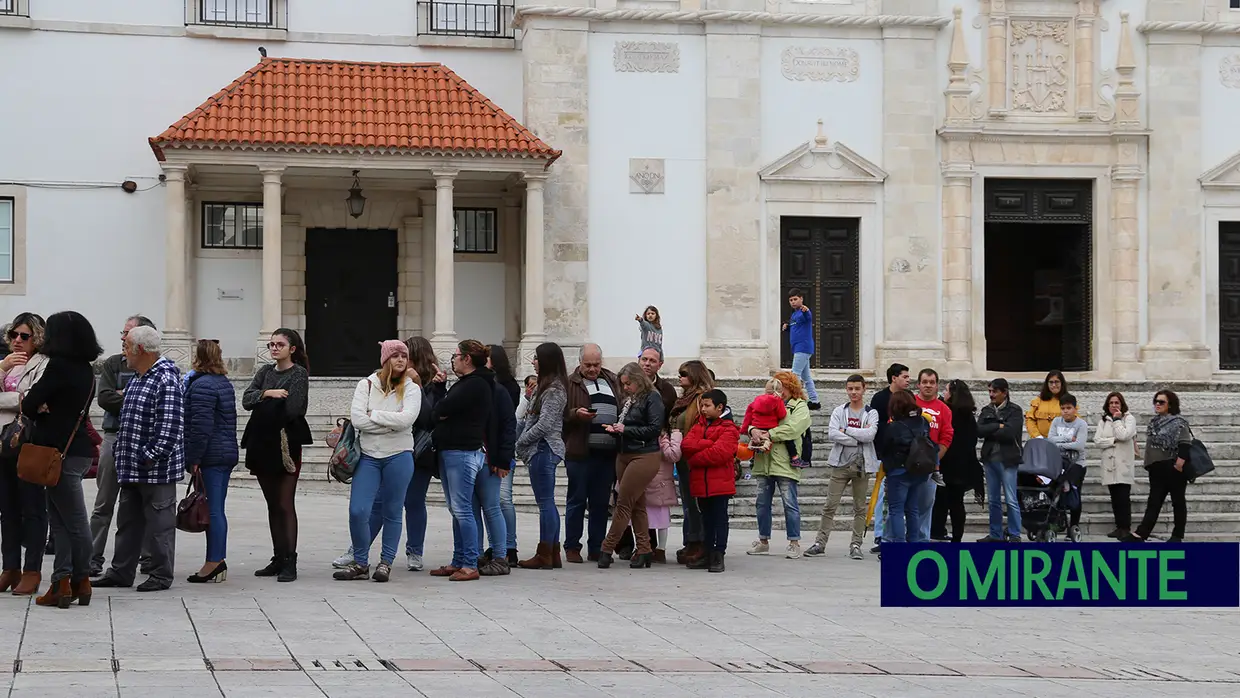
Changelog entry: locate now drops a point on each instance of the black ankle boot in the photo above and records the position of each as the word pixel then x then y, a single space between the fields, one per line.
pixel 273 568
pixel 716 561
pixel 512 558
pixel 288 572
pixel 604 560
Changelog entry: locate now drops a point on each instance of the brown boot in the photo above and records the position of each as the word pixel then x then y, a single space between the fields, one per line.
pixel 58 594
pixel 659 556
pixel 573 556
pixel 28 585
pixel 540 561
pixel 693 552
pixel 81 591
pixel 556 562
pixel 9 579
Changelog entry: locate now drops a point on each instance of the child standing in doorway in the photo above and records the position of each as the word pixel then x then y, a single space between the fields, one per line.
pixel 800 329
pixel 651 326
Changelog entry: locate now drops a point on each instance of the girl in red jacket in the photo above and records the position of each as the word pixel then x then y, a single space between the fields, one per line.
pixel 710 449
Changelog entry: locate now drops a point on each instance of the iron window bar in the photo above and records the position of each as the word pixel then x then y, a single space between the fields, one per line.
pixel 14 8
pixel 479 18
pixel 262 14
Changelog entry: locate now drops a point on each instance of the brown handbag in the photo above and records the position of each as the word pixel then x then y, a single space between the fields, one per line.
pixel 40 465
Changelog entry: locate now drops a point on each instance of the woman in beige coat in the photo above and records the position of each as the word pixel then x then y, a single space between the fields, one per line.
pixel 1117 436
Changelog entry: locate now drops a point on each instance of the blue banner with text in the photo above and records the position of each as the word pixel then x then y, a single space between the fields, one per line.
pixel 1061 574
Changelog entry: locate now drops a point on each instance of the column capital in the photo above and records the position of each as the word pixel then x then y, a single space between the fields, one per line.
pixel 534 180
pixel 443 178
pixel 174 171
pixel 271 174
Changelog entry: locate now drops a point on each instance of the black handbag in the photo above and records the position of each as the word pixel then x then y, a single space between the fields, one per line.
pixel 1199 462
pixel 14 435
pixel 193 512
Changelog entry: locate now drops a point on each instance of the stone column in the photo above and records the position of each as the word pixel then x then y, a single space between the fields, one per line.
pixel 997 59
pixel 511 245
pixel 1176 347
pixel 534 317
pixel 958 270
pixel 176 336
pixel 427 199
pixel 273 236
pixel 555 52
pixel 1125 276
pixel 735 321
pixel 912 214
pixel 409 287
pixel 444 337
pixel 1086 18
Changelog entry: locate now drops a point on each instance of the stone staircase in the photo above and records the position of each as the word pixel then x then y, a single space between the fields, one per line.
pixel 1213 502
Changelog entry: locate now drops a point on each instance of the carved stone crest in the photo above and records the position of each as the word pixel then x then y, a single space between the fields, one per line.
pixel 820 64
pixel 1229 71
pixel 646 176
pixel 646 57
pixel 1041 65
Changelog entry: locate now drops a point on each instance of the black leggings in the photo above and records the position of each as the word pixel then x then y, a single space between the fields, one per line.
pixel 1165 480
pixel 948 500
pixel 280 489
pixel 1121 505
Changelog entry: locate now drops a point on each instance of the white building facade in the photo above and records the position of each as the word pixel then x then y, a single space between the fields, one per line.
pixel 983 186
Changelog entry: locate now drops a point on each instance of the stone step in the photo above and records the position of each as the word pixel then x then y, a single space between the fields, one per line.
pixel 1094 526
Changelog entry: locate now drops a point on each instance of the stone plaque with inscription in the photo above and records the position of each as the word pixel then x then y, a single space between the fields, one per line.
pixel 646 176
pixel 1041 65
pixel 1229 71
pixel 646 57
pixel 820 64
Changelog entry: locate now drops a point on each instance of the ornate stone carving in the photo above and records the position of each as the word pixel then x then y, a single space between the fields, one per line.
pixel 1229 71
pixel 646 57
pixel 820 64
pixel 1041 55
pixel 1106 96
pixel 646 176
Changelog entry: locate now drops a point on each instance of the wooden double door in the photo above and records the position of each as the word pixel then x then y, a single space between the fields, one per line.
pixel 351 306
pixel 821 257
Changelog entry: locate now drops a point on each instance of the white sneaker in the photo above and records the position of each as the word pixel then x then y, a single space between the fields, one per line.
pixel 759 548
pixel 344 560
pixel 794 550
pixel 937 479
pixel 413 562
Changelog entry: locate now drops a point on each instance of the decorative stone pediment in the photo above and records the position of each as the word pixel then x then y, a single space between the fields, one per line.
pixel 1225 175
pixel 817 161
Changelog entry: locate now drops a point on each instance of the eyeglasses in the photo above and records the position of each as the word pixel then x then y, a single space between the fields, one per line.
pixel 13 334
pixel 1159 402
pixel 684 374
pixel 276 345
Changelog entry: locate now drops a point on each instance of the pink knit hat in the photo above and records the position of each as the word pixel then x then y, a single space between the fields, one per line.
pixel 391 347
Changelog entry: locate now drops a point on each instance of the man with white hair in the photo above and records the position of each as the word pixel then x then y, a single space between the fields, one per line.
pixel 589 452
pixel 150 460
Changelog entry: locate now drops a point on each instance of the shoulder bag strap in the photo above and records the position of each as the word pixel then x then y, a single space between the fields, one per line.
pixel 89 399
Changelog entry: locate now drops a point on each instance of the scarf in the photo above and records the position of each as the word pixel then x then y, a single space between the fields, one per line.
pixel 624 411
pixel 1164 431
pixel 686 404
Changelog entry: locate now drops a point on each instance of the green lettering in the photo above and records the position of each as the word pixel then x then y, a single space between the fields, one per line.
pixel 1098 562
pixel 1014 582
pixel 939 562
pixel 1037 576
pixel 969 576
pixel 1072 563
pixel 1166 575
pixel 1143 558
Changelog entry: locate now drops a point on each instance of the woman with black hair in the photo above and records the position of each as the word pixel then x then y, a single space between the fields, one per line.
pixel 59 403
pixel 1045 407
pixel 961 470
pixel 277 399
pixel 541 447
pixel 1167 443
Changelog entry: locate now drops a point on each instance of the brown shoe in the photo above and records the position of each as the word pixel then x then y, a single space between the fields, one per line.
pixel 81 591
pixel 573 556
pixel 592 557
pixel 464 575
pixel 58 594
pixel 540 561
pixel 29 584
pixel 9 579
pixel 445 571
pixel 659 556
pixel 556 562
pixel 689 553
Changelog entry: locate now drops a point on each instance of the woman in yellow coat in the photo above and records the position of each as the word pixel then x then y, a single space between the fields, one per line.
pixel 1045 407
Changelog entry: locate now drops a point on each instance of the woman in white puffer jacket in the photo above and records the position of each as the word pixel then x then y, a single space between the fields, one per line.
pixel 385 406
pixel 1117 436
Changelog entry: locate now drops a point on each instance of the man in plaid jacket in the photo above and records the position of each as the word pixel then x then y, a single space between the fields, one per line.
pixel 150 460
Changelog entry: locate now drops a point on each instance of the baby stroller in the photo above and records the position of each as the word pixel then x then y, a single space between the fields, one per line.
pixel 1048 486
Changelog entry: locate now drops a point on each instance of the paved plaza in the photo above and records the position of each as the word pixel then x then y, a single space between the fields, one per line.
pixel 769 627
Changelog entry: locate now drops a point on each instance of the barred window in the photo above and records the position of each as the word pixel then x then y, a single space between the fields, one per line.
pixel 6 239
pixel 475 230
pixel 232 226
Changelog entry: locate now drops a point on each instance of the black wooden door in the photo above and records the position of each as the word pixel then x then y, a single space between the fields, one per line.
pixel 351 280
pixel 1229 295
pixel 820 256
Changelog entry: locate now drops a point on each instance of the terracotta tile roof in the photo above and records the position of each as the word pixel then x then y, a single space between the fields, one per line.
pixel 314 105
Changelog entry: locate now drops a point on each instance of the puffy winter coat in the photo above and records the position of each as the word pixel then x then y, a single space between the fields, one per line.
pixel 710 448
pixel 211 421
pixel 661 492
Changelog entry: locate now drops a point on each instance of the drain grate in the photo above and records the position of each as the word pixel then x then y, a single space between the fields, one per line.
pixel 351 664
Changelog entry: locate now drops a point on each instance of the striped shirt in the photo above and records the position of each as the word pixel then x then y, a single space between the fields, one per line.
pixel 603 400
pixel 150 445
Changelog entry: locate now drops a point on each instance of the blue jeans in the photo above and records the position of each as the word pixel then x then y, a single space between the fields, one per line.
pixel 800 366
pixel 385 478
pixel 589 489
pixel 506 506
pixel 486 503
pixel 215 479
pixel 459 471
pixel 1000 478
pixel 925 509
pixel 904 500
pixel 792 510
pixel 880 516
pixel 415 513
pixel 542 480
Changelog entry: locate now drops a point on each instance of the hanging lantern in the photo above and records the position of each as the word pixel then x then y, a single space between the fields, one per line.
pixel 356 202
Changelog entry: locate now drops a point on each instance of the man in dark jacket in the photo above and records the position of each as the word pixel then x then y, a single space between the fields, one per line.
pixel 897 379
pixel 651 362
pixel 589 451
pixel 114 376
pixel 501 447
pixel 461 419
pixel 999 425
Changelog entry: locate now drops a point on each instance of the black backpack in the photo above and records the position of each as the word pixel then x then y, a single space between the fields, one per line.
pixel 923 454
